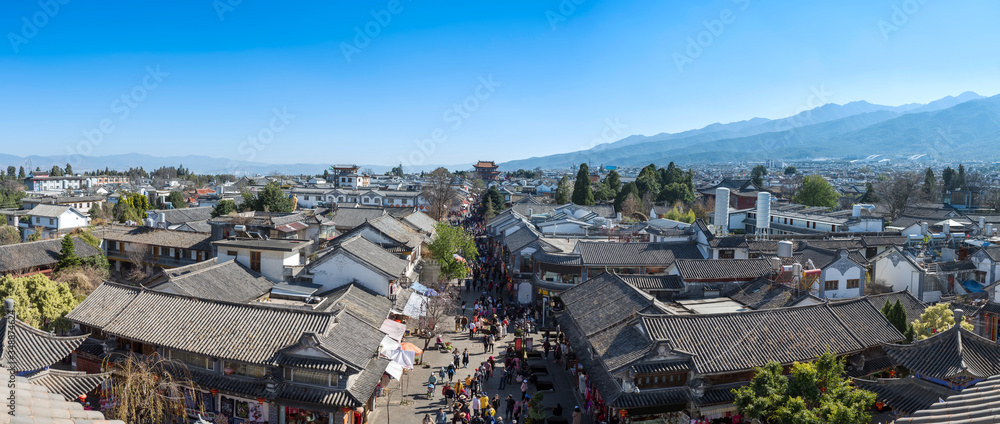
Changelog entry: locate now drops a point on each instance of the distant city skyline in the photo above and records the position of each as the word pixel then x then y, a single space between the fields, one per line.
pixel 385 82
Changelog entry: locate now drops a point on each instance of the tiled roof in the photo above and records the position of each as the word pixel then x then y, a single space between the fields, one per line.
pixel 397 231
pixel 70 384
pixel 636 254
pixel 740 341
pixel 654 282
pixel 311 363
pixel 723 269
pixel 48 211
pixel 180 216
pixel 36 404
pixel 993 252
pixel 38 254
pixel 763 294
pixel 556 259
pixel 155 237
pixel 521 238
pixel 353 217
pixel 729 242
pixel 33 349
pixel 249 333
pixel 883 240
pixel 229 281
pixel 905 395
pixel 948 354
pixel 421 222
pixel 366 252
pixel 974 405
pixel 675 365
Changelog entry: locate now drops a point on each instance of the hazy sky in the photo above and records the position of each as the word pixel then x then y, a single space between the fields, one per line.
pixel 453 82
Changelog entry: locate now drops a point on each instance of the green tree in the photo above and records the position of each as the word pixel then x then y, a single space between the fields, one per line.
pixel 563 191
pixel 9 235
pixel 582 194
pixel 930 183
pixel 895 314
pixel 814 393
pixel 948 179
pixel 69 169
pixel 270 199
pixel 816 191
pixel 757 175
pixel 614 181
pixel 11 171
pixel 224 207
pixel 936 319
pixel 869 196
pixel 960 183
pixel 67 254
pixel 675 192
pixel 448 242
pixel 39 301
pixel 177 199
pixel 397 170
pixel 790 170
pixel 628 190
pixel 496 200
pixel 488 212
pixel 20 173
pixel 604 193
pixel 648 182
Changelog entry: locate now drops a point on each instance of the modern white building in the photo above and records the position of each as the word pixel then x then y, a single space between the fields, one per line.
pixel 52 221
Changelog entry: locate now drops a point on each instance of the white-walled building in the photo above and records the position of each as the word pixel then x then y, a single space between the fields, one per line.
pixel 275 259
pixel 52 221
pixel 358 261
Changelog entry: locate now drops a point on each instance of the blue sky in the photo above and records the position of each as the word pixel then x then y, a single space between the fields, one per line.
pixel 564 75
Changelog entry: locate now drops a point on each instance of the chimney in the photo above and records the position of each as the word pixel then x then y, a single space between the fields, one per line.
pixel 959 314
pixel 8 305
pixel 947 228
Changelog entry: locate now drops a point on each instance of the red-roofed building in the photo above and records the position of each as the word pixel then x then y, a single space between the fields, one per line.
pixel 487 170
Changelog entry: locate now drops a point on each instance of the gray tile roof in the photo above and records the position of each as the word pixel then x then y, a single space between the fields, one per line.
pixel 905 395
pixel 48 211
pixel 521 238
pixel 654 282
pixel 155 237
pixel 974 405
pixel 252 333
pixel 180 216
pixel 636 254
pixel 396 230
pixel 352 217
pixel 46 407
pixel 70 384
pixel 763 294
pixel 39 254
pixel 948 354
pixel 556 258
pixel 229 281
pixel 723 269
pixel 421 222
pixel 201 226
pixel 365 252
pixel 25 348
pixel 739 341
pixel 603 301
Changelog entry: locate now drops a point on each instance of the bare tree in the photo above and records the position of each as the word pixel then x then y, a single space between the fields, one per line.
pixel 143 262
pixel 991 198
pixel 439 193
pixel 436 310
pixel 899 192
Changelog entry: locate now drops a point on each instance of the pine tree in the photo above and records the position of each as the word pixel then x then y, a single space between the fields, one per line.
pixel 930 183
pixel 67 255
pixel 582 194
pixel 20 174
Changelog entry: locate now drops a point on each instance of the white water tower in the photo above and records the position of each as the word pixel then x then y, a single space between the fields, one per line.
pixel 722 210
pixel 763 212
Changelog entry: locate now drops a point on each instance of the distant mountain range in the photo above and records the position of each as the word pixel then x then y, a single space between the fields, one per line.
pixel 963 126
pixel 196 163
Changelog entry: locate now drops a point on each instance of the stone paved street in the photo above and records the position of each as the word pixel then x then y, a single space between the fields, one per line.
pixel 414 383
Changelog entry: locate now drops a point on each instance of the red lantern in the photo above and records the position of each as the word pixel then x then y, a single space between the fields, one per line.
pixel 214 392
pixel 261 400
pixel 82 398
pixel 623 413
pixel 879 405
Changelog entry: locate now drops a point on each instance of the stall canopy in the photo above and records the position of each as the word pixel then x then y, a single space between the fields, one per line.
pixel 394 370
pixel 393 329
pixel 402 357
pixel 415 306
pixel 387 346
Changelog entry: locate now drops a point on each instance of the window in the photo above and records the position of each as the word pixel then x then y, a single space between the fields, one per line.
pixel 246 370
pixel 831 285
pixel 853 284
pixel 189 359
pixel 727 254
pixel 255 261
pixel 231 253
pixel 305 197
pixel 318 378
